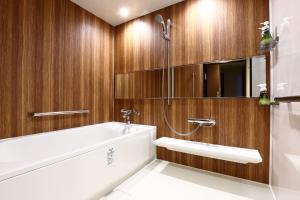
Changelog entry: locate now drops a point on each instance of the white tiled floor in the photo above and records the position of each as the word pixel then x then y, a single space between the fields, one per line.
pixel 162 180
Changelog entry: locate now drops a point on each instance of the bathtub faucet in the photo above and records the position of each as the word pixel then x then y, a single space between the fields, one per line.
pixel 126 114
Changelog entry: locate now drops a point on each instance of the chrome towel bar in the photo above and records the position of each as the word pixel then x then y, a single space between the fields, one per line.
pixel 47 114
pixel 288 99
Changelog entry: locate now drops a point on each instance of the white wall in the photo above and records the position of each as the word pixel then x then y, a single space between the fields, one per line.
pixel 285 119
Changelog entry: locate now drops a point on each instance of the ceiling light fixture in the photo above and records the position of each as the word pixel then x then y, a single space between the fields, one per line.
pixel 123 12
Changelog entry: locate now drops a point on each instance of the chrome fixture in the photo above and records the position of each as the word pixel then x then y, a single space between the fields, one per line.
pixel 126 114
pixel 166 28
pixel 203 122
pixel 47 114
pixel 167 37
pixel 288 99
pixel 110 154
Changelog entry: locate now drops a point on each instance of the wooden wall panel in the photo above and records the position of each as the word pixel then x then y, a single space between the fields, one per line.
pixel 53 56
pixel 148 84
pixel 201 31
pixel 240 123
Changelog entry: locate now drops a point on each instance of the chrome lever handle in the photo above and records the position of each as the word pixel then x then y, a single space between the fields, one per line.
pixel 136 112
pixel 126 114
pixel 130 111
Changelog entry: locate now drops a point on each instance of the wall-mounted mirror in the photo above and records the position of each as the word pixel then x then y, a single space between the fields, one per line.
pixel 234 78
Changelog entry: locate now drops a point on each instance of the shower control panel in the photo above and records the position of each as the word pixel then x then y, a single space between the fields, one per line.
pixel 203 122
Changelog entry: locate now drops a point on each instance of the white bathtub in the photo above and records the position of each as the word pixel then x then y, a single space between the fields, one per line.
pixel 74 164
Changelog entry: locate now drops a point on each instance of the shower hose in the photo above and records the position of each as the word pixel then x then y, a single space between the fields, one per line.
pixel 164 108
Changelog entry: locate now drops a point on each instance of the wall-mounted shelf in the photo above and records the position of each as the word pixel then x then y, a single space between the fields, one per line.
pixel 233 154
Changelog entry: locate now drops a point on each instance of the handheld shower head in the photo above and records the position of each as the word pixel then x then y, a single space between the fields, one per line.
pixel 160 20
pixel 166 29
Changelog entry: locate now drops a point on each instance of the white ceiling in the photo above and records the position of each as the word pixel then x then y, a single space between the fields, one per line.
pixel 108 10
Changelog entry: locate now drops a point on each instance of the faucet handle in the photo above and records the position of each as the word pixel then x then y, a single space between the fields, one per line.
pixel 136 112
pixel 130 111
pixel 126 114
pixel 126 111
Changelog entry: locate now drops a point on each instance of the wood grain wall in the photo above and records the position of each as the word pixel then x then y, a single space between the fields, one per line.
pixel 148 84
pixel 240 123
pixel 53 56
pixel 201 31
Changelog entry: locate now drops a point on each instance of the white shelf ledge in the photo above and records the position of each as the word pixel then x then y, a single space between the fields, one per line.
pixel 233 154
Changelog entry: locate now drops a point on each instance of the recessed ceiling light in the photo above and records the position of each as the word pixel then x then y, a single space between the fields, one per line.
pixel 123 12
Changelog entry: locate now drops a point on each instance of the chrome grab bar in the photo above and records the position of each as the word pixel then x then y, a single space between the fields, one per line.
pixel 47 114
pixel 288 99
pixel 203 122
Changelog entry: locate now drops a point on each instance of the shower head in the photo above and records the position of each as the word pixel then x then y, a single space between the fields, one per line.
pixel 160 20
pixel 166 29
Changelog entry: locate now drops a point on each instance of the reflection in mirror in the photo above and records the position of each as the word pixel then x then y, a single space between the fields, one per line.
pixel 237 78
pixel 258 73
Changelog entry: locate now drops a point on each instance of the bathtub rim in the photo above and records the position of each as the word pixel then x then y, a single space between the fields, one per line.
pixel 61 130
pixel 27 168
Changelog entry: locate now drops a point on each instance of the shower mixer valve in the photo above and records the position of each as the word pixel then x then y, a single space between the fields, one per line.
pixel 203 122
pixel 126 114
